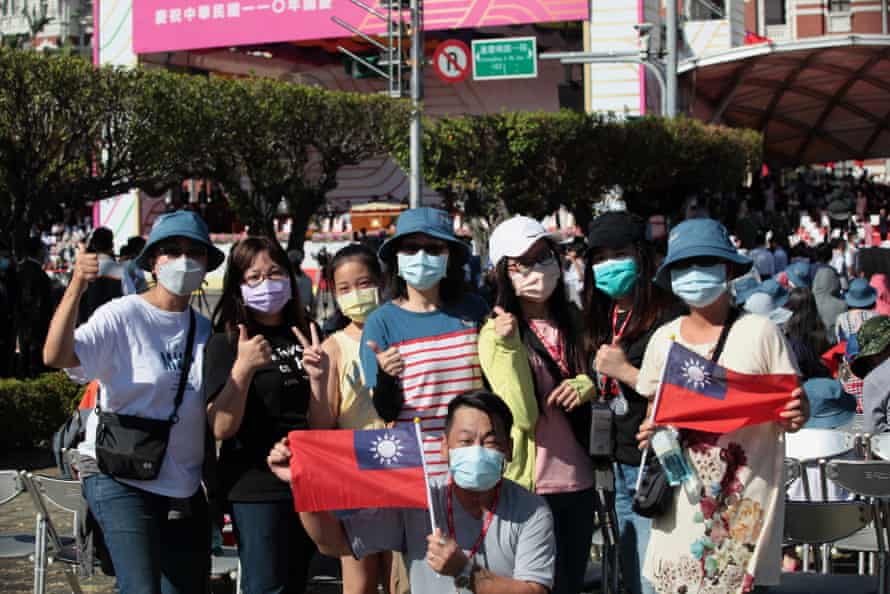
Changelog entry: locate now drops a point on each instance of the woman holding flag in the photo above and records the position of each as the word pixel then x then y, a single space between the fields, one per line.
pixel 263 378
pixel 727 536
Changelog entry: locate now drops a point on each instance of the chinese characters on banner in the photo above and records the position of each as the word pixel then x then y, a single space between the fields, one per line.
pixel 171 25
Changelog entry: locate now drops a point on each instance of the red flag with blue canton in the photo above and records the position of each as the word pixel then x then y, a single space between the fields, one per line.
pixel 342 469
pixel 698 394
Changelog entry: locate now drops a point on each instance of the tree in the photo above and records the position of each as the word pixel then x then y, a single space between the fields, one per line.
pixel 285 142
pixel 70 133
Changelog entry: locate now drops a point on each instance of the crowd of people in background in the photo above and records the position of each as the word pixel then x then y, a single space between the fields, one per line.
pixel 505 358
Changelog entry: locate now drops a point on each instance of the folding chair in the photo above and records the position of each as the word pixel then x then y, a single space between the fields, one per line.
pixel 49 546
pixel 818 523
pixel 13 546
pixel 801 450
pixel 227 563
pixel 870 479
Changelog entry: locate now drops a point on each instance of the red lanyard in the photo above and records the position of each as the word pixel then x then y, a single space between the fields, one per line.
pixel 556 350
pixel 485 525
pixel 609 385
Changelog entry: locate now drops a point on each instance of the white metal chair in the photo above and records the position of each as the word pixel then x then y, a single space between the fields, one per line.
pixel 804 449
pixel 227 563
pixel 870 479
pixel 49 545
pixel 13 546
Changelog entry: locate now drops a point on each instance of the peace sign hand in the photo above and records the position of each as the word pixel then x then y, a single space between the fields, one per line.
pixel 315 360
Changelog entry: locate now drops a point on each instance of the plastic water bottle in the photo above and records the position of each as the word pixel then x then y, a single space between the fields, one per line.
pixel 666 444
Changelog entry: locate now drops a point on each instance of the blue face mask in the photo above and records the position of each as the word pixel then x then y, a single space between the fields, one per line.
pixel 422 270
pixel 616 277
pixel 4 263
pixel 475 468
pixel 699 286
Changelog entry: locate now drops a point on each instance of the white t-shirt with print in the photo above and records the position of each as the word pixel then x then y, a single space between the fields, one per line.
pixel 135 350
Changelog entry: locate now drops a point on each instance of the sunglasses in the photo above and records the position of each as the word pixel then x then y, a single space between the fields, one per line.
pixel 175 250
pixel 433 249
pixel 524 265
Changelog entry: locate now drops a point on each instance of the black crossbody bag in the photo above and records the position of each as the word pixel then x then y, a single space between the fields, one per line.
pixel 131 447
pixel 654 496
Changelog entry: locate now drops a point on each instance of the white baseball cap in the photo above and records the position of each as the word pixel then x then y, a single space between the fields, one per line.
pixel 514 237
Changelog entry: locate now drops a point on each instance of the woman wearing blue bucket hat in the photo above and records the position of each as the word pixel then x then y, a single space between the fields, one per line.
pixel 147 352
pixel 727 537
pixel 419 350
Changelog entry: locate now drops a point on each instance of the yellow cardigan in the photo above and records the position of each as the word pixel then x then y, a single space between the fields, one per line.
pixel 505 364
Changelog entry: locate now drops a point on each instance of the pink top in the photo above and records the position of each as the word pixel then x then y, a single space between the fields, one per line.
pixel 561 464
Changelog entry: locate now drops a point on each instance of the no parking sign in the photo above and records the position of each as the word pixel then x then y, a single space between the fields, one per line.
pixel 451 60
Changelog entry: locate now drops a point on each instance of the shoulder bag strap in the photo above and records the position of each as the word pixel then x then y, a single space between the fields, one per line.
pixel 724 334
pixel 186 366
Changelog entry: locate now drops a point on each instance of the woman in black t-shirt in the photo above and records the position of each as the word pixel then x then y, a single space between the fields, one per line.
pixel 622 309
pixel 263 378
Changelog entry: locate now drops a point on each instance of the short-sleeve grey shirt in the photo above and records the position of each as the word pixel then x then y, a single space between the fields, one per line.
pixel 519 543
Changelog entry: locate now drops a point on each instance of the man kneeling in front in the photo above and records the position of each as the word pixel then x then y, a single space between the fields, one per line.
pixel 499 537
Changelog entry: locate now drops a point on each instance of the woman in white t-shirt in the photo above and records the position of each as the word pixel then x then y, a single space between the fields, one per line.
pixel 135 347
pixel 730 538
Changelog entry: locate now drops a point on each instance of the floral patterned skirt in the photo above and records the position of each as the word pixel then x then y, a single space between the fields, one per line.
pixel 718 543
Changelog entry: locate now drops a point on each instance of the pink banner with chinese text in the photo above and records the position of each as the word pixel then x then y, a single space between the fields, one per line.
pixel 169 25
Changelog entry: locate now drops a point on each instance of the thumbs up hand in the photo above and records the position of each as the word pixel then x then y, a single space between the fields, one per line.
pixel 390 361
pixel 253 353
pixel 86 267
pixel 504 323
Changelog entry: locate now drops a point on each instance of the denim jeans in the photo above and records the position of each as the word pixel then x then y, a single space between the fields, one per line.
pixel 633 531
pixel 573 520
pixel 274 549
pixel 151 554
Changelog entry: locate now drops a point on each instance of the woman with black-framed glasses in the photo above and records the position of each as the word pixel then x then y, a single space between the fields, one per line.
pixel 264 378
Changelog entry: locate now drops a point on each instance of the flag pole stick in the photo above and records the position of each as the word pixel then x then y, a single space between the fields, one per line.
pixel 652 417
pixel 426 477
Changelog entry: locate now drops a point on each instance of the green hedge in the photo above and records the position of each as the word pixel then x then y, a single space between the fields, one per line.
pixel 32 410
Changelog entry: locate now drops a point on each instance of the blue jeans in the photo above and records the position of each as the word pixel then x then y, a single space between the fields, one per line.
pixel 151 554
pixel 633 531
pixel 573 520
pixel 274 549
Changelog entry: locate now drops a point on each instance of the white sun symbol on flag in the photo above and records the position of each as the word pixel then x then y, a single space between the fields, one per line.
pixel 695 374
pixel 386 449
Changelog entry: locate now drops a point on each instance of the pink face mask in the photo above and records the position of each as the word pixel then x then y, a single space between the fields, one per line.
pixel 269 297
pixel 538 284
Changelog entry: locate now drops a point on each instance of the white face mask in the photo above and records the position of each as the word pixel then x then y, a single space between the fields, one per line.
pixel 181 276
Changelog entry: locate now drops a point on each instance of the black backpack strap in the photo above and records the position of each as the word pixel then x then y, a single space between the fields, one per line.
pixel 186 366
pixel 724 334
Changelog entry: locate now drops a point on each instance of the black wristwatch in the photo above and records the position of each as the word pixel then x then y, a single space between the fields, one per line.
pixel 464 580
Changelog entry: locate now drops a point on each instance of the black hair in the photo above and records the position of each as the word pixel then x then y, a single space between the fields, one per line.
pixel 488 402
pixel 359 252
pixel 805 323
pixel 558 306
pixel 231 311
pixel 650 301
pixel 102 241
pixel 451 288
pixel 352 252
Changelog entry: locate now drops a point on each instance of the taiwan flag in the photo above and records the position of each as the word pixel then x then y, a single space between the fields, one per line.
pixel 698 394
pixel 342 469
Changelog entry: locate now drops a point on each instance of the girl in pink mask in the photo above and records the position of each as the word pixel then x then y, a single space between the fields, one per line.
pixel 265 376
pixel 532 355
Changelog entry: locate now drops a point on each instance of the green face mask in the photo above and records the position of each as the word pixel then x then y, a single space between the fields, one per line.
pixel 616 277
pixel 357 305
